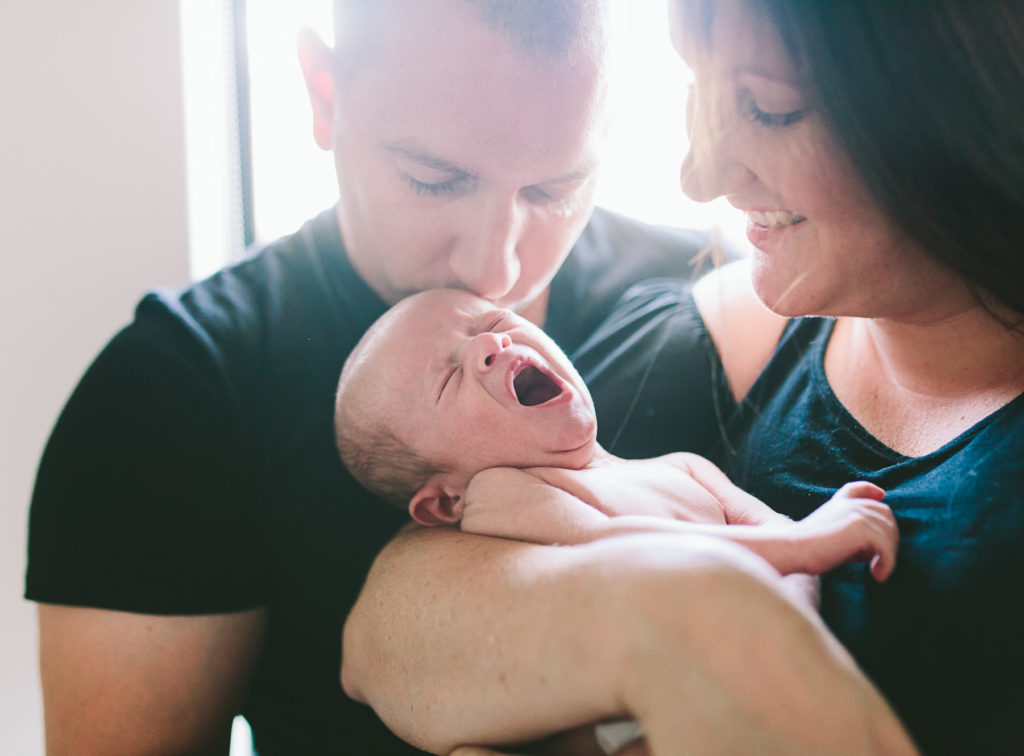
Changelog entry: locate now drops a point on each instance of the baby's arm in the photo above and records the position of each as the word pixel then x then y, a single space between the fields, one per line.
pixel 739 506
pixel 854 524
pixel 511 503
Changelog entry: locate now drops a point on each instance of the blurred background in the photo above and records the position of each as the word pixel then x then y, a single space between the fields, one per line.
pixel 145 143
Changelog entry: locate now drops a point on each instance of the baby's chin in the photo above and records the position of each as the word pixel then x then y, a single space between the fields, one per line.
pixel 580 456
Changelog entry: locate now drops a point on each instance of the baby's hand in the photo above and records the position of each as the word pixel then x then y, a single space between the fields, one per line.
pixel 854 525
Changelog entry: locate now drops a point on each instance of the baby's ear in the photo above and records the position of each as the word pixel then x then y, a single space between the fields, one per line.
pixel 438 502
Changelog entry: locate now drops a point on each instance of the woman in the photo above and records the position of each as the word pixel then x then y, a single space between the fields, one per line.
pixel 878 151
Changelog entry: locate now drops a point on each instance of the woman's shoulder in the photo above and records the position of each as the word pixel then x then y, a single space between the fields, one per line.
pixel 743 330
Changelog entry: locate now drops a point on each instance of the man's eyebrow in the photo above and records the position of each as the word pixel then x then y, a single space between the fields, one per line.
pixel 421 156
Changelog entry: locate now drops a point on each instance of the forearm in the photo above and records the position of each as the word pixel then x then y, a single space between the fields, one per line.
pixel 493 641
pixel 481 641
pixel 761 679
pixel 773 543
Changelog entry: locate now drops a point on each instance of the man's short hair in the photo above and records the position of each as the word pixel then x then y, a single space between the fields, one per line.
pixel 550 27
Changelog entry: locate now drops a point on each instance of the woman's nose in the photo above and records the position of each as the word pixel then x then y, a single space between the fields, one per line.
pixel 484 349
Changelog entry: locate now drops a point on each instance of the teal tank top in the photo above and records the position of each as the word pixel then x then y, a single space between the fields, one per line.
pixel 944 637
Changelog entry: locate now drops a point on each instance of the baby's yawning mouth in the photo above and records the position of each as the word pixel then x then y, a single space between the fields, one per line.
pixel 533 386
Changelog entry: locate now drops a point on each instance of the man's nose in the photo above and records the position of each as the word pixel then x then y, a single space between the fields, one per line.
pixel 711 167
pixel 485 260
pixel 484 349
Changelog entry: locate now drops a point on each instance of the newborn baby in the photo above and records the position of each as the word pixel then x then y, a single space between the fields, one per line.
pixel 470 416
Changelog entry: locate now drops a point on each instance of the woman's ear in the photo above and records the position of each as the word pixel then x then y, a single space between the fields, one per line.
pixel 317 62
pixel 438 502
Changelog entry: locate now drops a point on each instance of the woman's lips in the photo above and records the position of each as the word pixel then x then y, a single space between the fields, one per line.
pixel 768 230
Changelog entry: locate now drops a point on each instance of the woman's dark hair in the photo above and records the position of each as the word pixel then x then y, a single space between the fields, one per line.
pixel 927 99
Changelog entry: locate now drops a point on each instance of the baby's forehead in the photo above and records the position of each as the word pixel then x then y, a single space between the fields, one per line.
pixel 430 321
pixel 435 315
pixel 421 332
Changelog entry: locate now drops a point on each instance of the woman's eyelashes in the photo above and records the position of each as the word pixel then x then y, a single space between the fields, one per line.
pixel 771 118
pixel 783 111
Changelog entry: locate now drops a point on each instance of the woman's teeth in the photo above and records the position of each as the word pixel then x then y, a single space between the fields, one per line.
pixel 775 218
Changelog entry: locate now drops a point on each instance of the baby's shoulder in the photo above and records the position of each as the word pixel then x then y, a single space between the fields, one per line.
pixel 497 477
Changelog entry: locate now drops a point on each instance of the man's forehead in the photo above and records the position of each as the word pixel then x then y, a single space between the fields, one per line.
pixel 447 90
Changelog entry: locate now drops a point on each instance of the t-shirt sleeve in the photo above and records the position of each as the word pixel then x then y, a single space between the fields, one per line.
pixel 146 497
pixel 656 379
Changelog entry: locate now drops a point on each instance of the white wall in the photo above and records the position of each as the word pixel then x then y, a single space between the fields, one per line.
pixel 92 212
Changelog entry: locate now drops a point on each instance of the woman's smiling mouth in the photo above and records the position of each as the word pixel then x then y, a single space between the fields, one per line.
pixel 774 218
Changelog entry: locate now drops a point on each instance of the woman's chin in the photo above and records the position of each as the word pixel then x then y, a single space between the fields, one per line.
pixel 782 294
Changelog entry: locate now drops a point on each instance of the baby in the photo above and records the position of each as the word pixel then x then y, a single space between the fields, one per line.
pixel 469 415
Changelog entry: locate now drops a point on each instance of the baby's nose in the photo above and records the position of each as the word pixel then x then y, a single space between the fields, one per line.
pixel 485 348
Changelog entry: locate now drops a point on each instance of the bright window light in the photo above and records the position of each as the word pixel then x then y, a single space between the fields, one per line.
pixel 293 179
pixel 211 135
pixel 648 127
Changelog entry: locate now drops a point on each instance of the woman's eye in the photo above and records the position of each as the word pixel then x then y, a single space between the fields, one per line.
pixel 768 118
pixel 777 120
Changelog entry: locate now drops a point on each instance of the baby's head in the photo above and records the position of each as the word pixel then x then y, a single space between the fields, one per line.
pixel 445 385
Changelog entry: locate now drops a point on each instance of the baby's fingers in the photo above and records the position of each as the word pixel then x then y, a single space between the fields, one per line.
pixel 882 565
pixel 861 489
pixel 886 543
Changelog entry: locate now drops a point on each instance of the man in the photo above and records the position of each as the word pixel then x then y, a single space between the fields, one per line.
pixel 195 545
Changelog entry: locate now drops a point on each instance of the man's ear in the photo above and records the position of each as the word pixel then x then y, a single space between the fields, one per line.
pixel 317 62
pixel 438 502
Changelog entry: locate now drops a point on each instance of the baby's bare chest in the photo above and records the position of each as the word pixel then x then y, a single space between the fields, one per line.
pixel 653 487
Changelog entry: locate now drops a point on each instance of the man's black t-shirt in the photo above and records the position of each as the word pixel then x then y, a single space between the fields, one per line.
pixel 194 469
